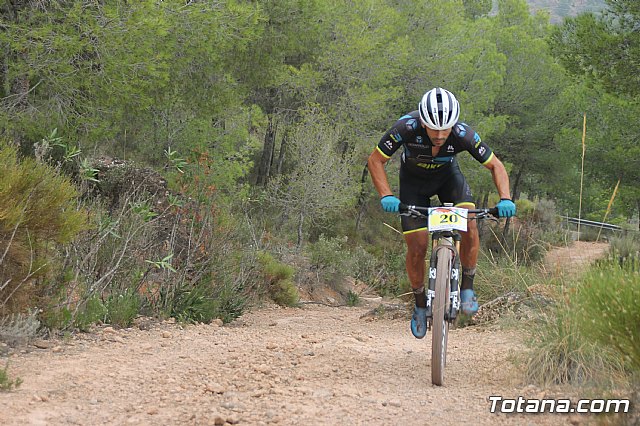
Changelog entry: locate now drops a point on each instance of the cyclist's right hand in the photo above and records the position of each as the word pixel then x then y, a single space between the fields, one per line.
pixel 390 203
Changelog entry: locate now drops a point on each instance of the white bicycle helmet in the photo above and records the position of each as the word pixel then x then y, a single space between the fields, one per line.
pixel 439 109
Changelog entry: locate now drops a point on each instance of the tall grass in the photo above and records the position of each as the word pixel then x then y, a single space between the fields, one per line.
pixel 591 336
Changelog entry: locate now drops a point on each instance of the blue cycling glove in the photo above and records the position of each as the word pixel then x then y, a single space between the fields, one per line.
pixel 506 208
pixel 390 203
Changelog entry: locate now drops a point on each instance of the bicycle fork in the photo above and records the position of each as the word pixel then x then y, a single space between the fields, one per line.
pixel 454 275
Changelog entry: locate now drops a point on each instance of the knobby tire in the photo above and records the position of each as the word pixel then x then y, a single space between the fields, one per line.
pixel 440 325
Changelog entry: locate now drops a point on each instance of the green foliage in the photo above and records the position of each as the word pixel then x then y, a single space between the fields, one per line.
pixel 38 207
pixel 279 276
pixel 353 298
pixel 528 238
pixel 122 308
pixel 93 311
pixel 6 383
pixel 330 257
pixel 58 318
pixel 606 301
pixel 560 354
pixel 625 249
pixel 195 305
pixel 285 293
pixel 320 182
pixel 498 276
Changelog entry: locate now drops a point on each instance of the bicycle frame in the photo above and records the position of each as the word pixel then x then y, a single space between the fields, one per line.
pixel 451 242
pixel 444 268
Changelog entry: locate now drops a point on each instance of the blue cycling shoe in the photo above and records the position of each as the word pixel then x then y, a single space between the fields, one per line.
pixel 469 302
pixel 419 322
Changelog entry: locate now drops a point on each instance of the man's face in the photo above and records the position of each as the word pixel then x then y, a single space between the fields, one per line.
pixel 438 137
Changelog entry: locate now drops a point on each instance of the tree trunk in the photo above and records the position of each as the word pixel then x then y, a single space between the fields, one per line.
pixel 300 227
pixel 283 145
pixel 515 193
pixel 266 160
pixel 362 197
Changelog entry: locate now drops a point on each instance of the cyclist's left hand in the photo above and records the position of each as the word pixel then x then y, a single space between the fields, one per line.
pixel 506 208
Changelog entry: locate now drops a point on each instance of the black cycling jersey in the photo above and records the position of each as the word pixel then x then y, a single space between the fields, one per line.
pixel 423 175
pixel 417 157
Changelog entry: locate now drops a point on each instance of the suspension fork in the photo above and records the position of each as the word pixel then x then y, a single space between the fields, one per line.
pixel 454 275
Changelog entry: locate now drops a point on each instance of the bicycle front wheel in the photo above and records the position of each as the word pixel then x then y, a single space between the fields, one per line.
pixel 440 323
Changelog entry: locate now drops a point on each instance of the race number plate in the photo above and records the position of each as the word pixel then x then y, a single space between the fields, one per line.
pixel 442 218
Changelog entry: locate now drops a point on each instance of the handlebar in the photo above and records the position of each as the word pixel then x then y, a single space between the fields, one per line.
pixel 418 211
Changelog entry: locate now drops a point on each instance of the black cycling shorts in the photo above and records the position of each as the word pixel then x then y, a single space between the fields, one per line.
pixel 448 184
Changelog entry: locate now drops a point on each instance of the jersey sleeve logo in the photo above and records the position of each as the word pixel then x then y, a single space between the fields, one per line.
pixel 482 150
pixel 476 138
pixel 412 124
pixel 388 144
pixel 461 130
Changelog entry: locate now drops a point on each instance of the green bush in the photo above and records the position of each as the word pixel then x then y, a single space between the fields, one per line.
pixel 364 266
pixel 92 312
pixel 6 383
pixel 528 236
pixel 206 302
pixel 353 298
pixel 285 293
pixel 591 335
pixel 560 353
pixel 122 308
pixel 497 276
pixel 279 278
pixel 607 304
pixel 38 206
pixel 331 258
pixel 625 249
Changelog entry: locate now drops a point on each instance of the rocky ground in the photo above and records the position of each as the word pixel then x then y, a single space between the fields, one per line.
pixel 314 365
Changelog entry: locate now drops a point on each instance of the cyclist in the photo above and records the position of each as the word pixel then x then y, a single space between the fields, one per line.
pixel 431 137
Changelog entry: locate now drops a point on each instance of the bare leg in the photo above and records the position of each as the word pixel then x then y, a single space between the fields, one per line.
pixel 470 245
pixel 469 248
pixel 416 251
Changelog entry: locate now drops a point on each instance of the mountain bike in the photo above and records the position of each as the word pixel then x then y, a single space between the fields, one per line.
pixel 443 302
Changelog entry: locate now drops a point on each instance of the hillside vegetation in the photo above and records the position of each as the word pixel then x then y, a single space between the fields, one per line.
pixel 191 159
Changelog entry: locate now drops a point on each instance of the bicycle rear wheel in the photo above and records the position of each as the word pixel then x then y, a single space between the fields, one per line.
pixel 440 323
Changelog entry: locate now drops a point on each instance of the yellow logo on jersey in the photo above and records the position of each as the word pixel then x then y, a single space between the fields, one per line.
pixel 429 166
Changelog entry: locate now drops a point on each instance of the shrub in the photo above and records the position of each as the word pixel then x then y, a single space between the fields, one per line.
pixel 607 306
pixel 528 235
pixel 353 298
pixel 330 257
pixel 90 313
pixel 279 276
pixel 6 383
pixel 561 354
pixel 625 249
pixel 19 328
pixel 38 206
pixel 122 308
pixel 207 301
pixel 194 305
pixel 592 335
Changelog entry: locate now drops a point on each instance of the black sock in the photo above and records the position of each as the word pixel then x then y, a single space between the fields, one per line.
pixel 468 274
pixel 421 298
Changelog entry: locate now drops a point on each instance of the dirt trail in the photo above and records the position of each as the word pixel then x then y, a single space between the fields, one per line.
pixel 314 365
